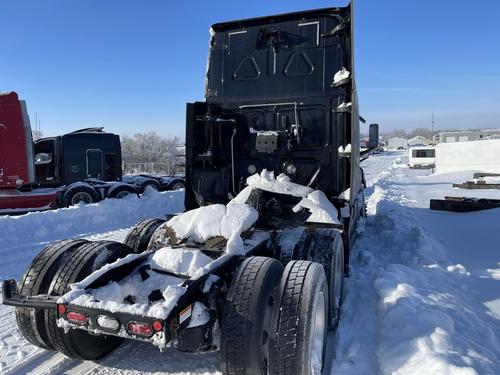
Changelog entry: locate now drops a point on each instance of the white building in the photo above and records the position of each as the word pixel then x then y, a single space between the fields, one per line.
pixel 396 143
pixel 468 135
pixel 480 156
pixel 418 141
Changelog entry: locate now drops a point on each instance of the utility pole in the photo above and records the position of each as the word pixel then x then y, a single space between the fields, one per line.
pixel 432 131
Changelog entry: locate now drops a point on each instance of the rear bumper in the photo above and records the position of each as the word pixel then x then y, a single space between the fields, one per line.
pixel 174 329
pixel 159 337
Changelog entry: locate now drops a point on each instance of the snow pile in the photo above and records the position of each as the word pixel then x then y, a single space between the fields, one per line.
pixel 179 261
pixel 420 299
pixel 113 296
pixel 232 220
pixel 22 237
pixel 216 220
pixel 264 132
pixel 322 210
pixel 268 182
pixel 341 75
pixel 483 156
pixel 344 106
pixel 346 149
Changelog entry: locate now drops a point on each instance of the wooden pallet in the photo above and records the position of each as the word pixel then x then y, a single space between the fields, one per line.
pixel 476 185
pixel 463 204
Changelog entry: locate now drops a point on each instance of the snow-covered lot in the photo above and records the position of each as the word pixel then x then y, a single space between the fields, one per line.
pixel 423 296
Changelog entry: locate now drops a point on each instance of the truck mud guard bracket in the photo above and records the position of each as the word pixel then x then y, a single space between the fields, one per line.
pixel 12 298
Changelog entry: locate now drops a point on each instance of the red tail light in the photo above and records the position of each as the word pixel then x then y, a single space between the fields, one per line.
pixel 61 309
pixel 141 329
pixel 77 318
pixel 157 325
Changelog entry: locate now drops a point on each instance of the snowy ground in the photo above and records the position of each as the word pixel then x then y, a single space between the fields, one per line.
pixel 423 296
pixel 424 291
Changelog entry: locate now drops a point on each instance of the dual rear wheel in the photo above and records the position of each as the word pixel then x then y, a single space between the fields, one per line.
pixel 52 272
pixel 275 320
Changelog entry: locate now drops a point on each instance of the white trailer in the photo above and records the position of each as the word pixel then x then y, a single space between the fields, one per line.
pixel 422 157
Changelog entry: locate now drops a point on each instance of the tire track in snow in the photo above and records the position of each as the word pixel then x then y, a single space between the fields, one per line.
pixel 351 345
pixel 28 363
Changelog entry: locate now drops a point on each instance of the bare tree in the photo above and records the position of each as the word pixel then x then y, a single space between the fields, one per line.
pixel 398 133
pixel 423 132
pixel 36 134
pixel 149 148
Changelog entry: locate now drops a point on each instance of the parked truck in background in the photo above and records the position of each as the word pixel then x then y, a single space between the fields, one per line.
pixel 82 166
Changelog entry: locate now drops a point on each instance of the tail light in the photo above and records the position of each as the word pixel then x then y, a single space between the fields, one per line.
pixel 140 329
pixel 157 325
pixel 61 309
pixel 77 318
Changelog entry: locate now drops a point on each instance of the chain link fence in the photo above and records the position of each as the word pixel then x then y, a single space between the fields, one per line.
pixel 157 168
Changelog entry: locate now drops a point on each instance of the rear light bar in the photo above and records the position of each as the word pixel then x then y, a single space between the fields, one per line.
pixel 108 322
pixel 77 318
pixel 140 329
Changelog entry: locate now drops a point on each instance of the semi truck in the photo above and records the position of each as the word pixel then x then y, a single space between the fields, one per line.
pixel 82 166
pixel 255 267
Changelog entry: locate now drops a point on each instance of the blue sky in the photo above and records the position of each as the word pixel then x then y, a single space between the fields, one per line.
pixel 131 66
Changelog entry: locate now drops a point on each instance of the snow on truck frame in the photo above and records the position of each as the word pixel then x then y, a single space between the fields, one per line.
pixel 274 194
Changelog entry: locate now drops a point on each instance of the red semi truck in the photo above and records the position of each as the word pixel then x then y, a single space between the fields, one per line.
pixel 82 166
pixel 17 162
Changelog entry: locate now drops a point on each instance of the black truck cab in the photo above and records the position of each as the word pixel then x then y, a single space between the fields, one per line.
pixel 280 95
pixel 84 154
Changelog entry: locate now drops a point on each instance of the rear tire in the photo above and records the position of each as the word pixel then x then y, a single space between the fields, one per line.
pixel 140 235
pixel 159 238
pixel 327 249
pixel 80 194
pixel 121 191
pixel 86 259
pixel 246 322
pixel 153 184
pixel 36 281
pixel 300 320
pixel 177 185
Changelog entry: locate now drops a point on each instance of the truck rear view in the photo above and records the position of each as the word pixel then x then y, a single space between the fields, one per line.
pixel 255 267
pixel 280 95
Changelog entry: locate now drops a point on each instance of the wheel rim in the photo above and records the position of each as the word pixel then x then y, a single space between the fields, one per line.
pixel 317 339
pixel 177 186
pixel 266 328
pixel 81 196
pixel 122 194
pixel 152 186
